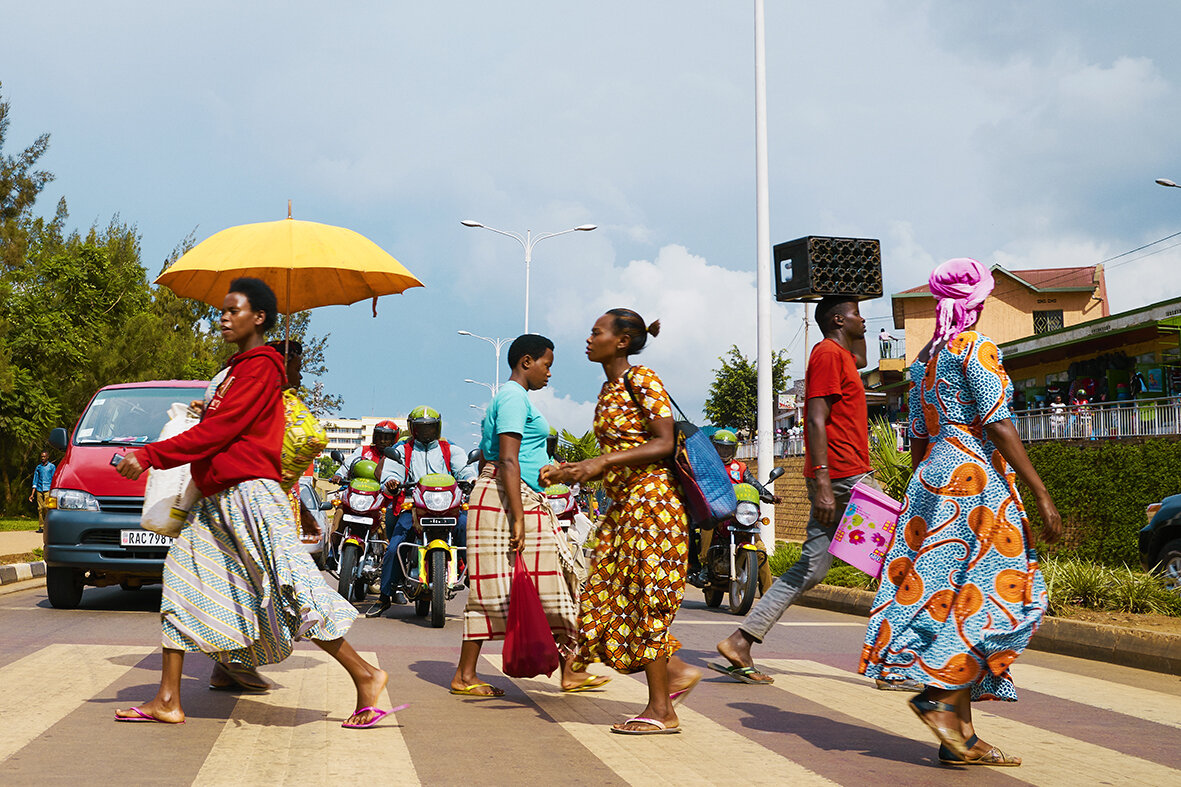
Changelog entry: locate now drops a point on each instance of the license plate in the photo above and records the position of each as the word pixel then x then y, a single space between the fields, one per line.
pixel 143 538
pixel 437 521
pixel 359 520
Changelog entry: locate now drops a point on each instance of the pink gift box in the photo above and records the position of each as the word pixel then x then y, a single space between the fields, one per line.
pixel 866 530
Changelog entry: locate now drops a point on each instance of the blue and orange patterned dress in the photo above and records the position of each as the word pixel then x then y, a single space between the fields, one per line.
pixel 961 593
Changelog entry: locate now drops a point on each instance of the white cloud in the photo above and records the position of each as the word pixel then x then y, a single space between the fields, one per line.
pixel 564 412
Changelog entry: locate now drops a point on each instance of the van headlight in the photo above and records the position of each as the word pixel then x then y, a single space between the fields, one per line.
pixel 748 514
pixel 74 500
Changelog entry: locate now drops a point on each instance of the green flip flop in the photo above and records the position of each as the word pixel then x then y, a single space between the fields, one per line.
pixel 741 674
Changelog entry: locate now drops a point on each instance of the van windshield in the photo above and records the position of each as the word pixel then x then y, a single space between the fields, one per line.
pixel 129 416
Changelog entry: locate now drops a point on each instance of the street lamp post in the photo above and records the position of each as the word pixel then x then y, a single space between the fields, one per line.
pixel 1167 182
pixel 486 385
pixel 497 343
pixel 529 241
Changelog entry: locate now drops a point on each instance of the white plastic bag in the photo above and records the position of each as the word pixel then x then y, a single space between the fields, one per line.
pixel 170 494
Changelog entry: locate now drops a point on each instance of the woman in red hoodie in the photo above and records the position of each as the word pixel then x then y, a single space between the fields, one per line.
pixel 237 584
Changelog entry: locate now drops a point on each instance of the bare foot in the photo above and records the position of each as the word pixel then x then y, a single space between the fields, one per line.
pixel 157 710
pixel 368 692
pixel 736 650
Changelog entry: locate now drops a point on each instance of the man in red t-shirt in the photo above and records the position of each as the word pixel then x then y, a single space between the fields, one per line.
pixel 836 439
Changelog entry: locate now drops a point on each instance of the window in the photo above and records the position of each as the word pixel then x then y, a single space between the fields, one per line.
pixel 1044 322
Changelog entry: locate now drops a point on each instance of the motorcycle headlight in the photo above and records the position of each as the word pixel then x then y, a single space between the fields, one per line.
pixel 361 503
pixel 437 499
pixel 75 499
pixel 557 505
pixel 748 514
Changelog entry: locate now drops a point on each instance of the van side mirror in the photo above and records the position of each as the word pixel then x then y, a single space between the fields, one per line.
pixel 775 474
pixel 58 438
pixel 336 456
pixel 474 455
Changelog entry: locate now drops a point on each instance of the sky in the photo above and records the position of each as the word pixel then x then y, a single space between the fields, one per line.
pixel 1022 134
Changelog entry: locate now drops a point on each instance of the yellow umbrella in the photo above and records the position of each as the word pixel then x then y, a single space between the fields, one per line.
pixel 307 265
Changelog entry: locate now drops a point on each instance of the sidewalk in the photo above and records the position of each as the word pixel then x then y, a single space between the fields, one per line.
pixel 16 542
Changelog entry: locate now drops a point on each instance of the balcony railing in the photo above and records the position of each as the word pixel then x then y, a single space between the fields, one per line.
pixel 892 348
pixel 1142 418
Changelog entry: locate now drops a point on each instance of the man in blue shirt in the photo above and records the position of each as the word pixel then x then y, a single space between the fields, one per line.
pixel 425 452
pixel 42 483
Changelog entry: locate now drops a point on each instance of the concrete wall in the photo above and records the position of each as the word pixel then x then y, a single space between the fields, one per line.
pixel 791 516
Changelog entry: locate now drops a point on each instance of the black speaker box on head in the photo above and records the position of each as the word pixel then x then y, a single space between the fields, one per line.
pixel 807 269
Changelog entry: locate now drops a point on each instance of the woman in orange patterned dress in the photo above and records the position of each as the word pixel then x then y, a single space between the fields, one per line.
pixel 638 576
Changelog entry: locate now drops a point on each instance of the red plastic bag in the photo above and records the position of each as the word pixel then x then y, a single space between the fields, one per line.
pixel 529 647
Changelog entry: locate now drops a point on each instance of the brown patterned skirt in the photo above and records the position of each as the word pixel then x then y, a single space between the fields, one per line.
pixel 490 562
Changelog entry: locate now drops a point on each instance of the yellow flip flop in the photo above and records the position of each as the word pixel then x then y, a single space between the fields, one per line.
pixel 467 690
pixel 590 684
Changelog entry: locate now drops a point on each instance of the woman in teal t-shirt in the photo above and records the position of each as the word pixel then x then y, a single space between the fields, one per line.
pixel 508 514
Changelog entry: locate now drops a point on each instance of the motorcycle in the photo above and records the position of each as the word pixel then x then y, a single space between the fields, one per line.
pixel 733 560
pixel 431 562
pixel 575 526
pixel 361 541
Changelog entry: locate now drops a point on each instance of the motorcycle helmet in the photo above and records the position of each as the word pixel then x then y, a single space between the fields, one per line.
pixel 425 424
pixel 385 434
pixel 726 443
pixel 365 469
pixel 551 443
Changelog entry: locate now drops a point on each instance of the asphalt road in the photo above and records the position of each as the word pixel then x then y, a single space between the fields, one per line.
pixel 62 674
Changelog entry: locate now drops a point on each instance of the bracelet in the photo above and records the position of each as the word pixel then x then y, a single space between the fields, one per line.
pixel 820 467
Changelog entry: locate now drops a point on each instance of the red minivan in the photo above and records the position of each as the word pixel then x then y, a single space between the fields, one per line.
pixel 92 532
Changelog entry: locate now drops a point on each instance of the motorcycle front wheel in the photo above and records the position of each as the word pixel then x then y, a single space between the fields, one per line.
pixel 422 604
pixel 350 556
pixel 745 583
pixel 713 598
pixel 438 588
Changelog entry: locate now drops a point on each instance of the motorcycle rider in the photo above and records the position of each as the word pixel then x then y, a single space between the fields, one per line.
pixel 422 453
pixel 385 434
pixel 726 444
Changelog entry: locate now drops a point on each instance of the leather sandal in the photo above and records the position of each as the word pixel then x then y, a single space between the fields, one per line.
pixel 994 756
pixel 949 737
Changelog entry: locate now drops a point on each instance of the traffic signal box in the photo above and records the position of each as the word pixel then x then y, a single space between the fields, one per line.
pixel 807 269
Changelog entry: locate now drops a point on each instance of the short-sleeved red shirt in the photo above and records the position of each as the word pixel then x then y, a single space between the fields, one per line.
pixel 833 372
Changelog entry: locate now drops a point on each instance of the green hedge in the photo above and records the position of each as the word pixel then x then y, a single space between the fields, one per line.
pixel 1101 489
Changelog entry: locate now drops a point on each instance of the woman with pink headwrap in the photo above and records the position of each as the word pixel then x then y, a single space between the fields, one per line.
pixel 961 593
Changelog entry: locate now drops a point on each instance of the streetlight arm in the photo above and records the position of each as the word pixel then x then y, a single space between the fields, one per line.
pixel 512 235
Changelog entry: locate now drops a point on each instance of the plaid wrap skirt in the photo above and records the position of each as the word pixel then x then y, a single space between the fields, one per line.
pixel 490 562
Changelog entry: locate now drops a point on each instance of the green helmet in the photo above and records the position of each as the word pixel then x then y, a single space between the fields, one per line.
pixel 365 469
pixel 425 423
pixel 726 443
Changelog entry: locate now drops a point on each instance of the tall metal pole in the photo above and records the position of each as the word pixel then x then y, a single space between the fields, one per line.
pixel 528 259
pixel 766 419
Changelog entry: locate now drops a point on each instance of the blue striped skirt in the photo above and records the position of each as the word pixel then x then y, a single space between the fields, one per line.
pixel 238 584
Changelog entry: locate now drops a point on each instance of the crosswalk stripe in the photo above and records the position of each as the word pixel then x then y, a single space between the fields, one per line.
pixel 1048 758
pixel 45 686
pixel 292 735
pixel 1144 704
pixel 697 756
pixel 788 623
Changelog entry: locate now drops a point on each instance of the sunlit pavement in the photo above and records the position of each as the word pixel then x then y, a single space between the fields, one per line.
pixel 62 674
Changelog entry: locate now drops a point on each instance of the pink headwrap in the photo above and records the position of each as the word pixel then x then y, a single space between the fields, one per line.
pixel 960 287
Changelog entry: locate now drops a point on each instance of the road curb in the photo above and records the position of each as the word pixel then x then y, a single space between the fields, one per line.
pixel 1148 650
pixel 20 572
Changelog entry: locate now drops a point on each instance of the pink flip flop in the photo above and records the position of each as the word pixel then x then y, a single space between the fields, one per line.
pixel 144 718
pixel 379 714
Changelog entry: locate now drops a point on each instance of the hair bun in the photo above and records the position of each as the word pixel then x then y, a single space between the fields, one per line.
pixel 654 328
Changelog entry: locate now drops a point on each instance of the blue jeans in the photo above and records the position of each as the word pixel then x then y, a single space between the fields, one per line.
pixel 815 561
pixel 392 575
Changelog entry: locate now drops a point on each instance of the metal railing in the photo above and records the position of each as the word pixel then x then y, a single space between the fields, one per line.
pixel 1142 418
pixel 784 446
pixel 892 348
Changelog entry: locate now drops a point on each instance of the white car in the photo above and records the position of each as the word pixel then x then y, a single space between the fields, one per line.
pixel 311 501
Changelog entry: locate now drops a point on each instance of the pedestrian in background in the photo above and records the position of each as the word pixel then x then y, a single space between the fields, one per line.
pixel 42 483
pixel 509 515
pixel 836 457
pixel 961 593
pixel 637 579
pixel 238 585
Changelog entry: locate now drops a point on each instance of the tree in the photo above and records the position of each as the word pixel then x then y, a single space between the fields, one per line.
pixel 318 400
pixel 733 395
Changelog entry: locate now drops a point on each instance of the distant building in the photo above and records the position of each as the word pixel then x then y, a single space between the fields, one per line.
pixel 1023 303
pixel 345 434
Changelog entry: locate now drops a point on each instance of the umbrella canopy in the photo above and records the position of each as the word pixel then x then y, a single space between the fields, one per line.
pixel 307 264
